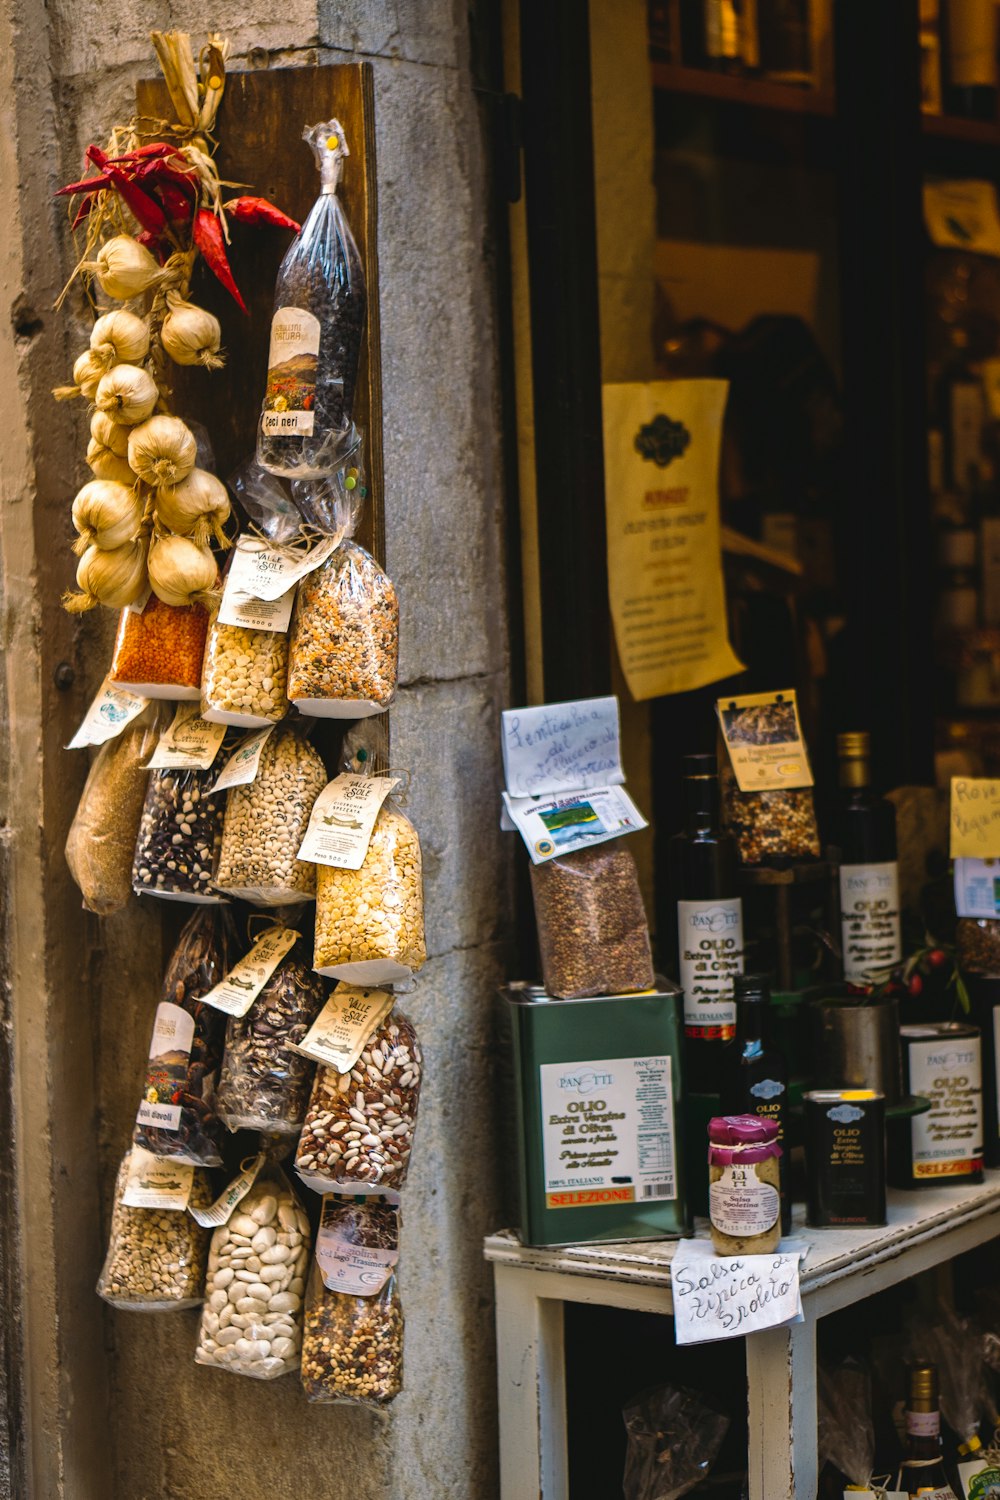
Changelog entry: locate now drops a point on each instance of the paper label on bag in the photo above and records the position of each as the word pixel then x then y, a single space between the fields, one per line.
pixel 247 596
pixel 138 605
pixel 338 1035
pixel 157 1182
pixel 221 1210
pixel 980 1479
pixel 962 215
pixel 292 364
pixel 242 766
pixel 342 820
pixel 189 741
pixel 353 1269
pixel 286 569
pixel 725 1297
pixel 167 1068
pixel 977 887
pixel 858 1492
pixel 111 711
pixel 975 817
pixel 239 989
pixel 557 825
pixel 764 739
pixel 561 747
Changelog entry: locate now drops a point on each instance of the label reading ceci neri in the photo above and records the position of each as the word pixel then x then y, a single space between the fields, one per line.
pixel 710 948
pixel 608 1132
pixel 291 373
pixel 948 1140
pixel 869 915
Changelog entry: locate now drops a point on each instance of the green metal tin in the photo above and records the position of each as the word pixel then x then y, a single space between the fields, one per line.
pixel 597 1099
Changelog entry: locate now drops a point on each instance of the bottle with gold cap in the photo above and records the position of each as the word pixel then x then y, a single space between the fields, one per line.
pixel 923 1472
pixel 869 872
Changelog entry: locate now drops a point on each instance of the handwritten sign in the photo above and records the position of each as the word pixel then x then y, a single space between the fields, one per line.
pixel 727 1297
pixel 975 818
pixel 561 747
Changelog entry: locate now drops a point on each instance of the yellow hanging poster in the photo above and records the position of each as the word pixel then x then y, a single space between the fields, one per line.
pixel 668 598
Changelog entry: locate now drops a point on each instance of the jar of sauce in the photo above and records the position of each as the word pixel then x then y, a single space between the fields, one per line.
pixel 744 1202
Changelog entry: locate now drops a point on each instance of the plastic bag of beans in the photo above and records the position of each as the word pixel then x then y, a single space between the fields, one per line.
pixel 765 780
pixel 344 643
pixel 177 1114
pixel 352 1345
pixel 180 835
pixel 265 822
pixel 156 1256
pixel 159 650
pixel 243 677
pixel 101 839
pixel 592 930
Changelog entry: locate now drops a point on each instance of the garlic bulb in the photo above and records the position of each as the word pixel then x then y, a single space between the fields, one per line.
pixel 115 578
pixel 162 450
pixel 107 464
pixel 124 268
pixel 198 507
pixel 109 434
pixel 127 394
pixel 119 338
pixel 87 371
pixel 191 336
pixel 181 572
pixel 106 515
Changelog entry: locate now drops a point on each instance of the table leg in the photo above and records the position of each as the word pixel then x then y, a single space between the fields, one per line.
pixel 781 1389
pixel 531 1383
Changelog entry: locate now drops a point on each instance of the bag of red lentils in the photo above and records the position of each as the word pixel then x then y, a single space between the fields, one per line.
pixel 159 650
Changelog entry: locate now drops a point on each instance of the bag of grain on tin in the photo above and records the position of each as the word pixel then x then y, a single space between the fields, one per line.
pixel 101 839
pixel 344 644
pixel 766 780
pixel 359 1127
pixel 159 650
pixel 265 1082
pixel 251 1323
pixel 265 823
pixel 177 1114
pixel 156 1251
pixel 352 1347
pixel 592 930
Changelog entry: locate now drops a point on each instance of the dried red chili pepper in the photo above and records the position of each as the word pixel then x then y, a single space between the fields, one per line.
pixel 178 204
pixel 142 153
pixel 159 171
pixel 208 238
pixel 145 209
pixel 85 185
pixel 260 211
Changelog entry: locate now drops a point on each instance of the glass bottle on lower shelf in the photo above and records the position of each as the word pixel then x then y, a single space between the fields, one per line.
pixel 923 1472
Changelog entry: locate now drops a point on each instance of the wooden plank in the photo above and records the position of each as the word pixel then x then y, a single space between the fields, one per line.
pixel 781 1412
pixel 531 1388
pixel 259 128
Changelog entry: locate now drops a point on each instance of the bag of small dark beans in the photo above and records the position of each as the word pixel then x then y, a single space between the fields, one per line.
pixel 180 836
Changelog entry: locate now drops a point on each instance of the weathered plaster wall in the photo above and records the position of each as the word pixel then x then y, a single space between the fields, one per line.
pixel 117 1407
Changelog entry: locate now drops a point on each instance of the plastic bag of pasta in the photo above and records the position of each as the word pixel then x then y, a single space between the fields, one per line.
pixel 352 1348
pixel 101 840
pixel 157 1253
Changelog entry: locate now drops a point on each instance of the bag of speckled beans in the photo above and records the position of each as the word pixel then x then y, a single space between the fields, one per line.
pixel 344 643
pixel 156 1256
pixel 370 921
pixel 243 676
pixel 159 650
pixel 101 841
pixel 265 822
pixel 180 836
pixel 251 1323
pixel 352 1346
pixel 592 930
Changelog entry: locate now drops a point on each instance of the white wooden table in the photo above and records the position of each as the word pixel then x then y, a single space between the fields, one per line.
pixel 843 1267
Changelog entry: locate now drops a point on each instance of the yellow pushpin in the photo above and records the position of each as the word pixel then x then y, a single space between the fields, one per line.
pixel 215 82
pixel 332 142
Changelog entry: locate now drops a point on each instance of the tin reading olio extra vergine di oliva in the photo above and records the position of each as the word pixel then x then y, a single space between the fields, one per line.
pixel 744 1200
pixel 845 1157
pixel 942 1061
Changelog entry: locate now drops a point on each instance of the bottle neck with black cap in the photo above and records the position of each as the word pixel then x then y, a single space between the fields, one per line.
pixel 869 872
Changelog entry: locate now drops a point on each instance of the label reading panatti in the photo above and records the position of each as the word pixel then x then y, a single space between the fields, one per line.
pixel 948 1140
pixel 710 947
pixel 608 1131
pixel 869 915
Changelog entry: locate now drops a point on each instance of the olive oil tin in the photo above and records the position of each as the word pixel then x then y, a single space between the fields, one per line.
pixel 845 1157
pixel 942 1060
pixel 597 1092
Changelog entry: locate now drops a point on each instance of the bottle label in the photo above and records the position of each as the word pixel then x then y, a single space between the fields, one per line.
pixel 923 1424
pixel 608 1132
pixel 741 1205
pixel 869 918
pixel 291 373
pixel 948 1140
pixel 710 945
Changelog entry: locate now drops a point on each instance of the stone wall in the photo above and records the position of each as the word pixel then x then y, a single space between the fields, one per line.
pixel 115 1406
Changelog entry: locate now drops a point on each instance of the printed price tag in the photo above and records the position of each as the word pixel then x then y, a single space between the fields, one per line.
pixel 269 574
pixel 112 709
pixel 242 766
pixel 557 825
pixel 338 1035
pixel 157 1182
pixel 561 747
pixel 975 818
pixel 253 566
pixel 221 1210
pixel 764 739
pixel 189 741
pixel 342 820
pixel 725 1297
pixel 237 992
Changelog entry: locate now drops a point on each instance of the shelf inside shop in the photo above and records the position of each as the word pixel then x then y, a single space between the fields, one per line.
pixel 837 1261
pixel 758 93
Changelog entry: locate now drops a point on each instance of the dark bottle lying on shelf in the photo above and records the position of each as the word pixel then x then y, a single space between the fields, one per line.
pixel 754 1075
